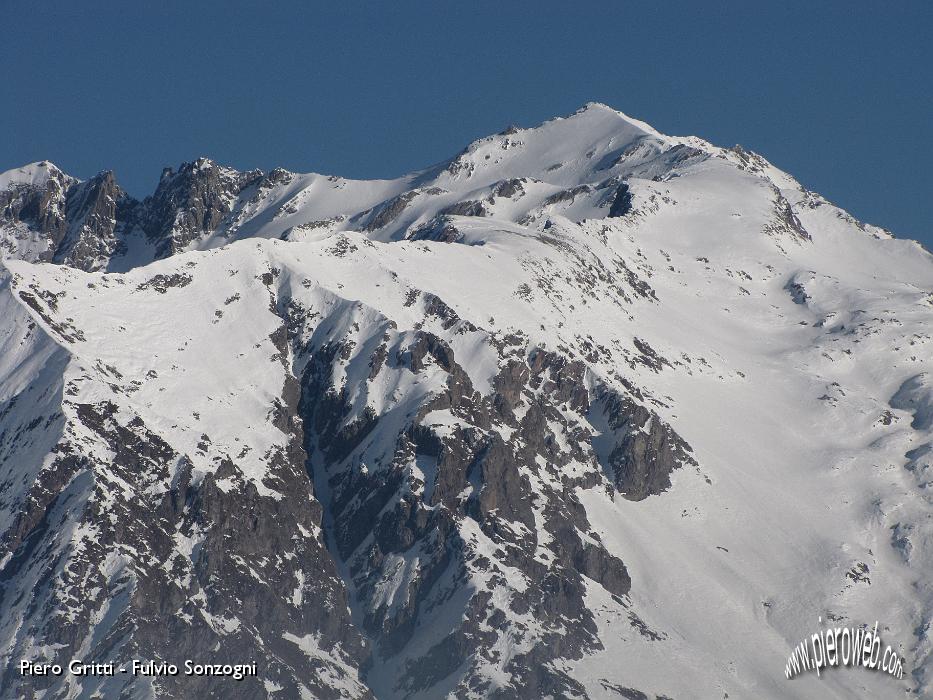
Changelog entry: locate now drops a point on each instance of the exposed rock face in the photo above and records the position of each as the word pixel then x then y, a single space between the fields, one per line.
pixel 388 211
pixel 621 201
pixel 467 208
pixel 34 207
pixel 407 514
pixel 80 224
pixel 191 203
pixel 441 229
pixel 640 450
pixel 184 566
pixel 509 188
pixel 49 216
pixel 99 215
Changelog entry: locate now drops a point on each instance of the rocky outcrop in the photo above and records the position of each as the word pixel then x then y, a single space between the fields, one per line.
pixel 621 201
pixel 168 565
pixel 639 449
pixel 50 216
pixel 416 526
pixel 387 212
pixel 191 203
pixel 33 208
pixel 99 213
pixel 441 229
pixel 58 219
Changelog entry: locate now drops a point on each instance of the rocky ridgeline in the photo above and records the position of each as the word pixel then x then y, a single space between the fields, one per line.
pixel 87 224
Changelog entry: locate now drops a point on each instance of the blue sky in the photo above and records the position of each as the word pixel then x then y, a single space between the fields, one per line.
pixel 838 93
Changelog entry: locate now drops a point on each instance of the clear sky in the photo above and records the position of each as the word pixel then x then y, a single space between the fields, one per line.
pixel 838 93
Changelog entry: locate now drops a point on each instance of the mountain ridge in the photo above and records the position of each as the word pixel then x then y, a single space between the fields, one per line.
pixel 581 394
pixel 207 194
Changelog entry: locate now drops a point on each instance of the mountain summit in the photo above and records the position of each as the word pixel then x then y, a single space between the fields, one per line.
pixel 571 165
pixel 585 411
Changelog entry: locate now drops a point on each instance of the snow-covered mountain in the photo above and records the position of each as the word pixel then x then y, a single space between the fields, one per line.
pixel 586 411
